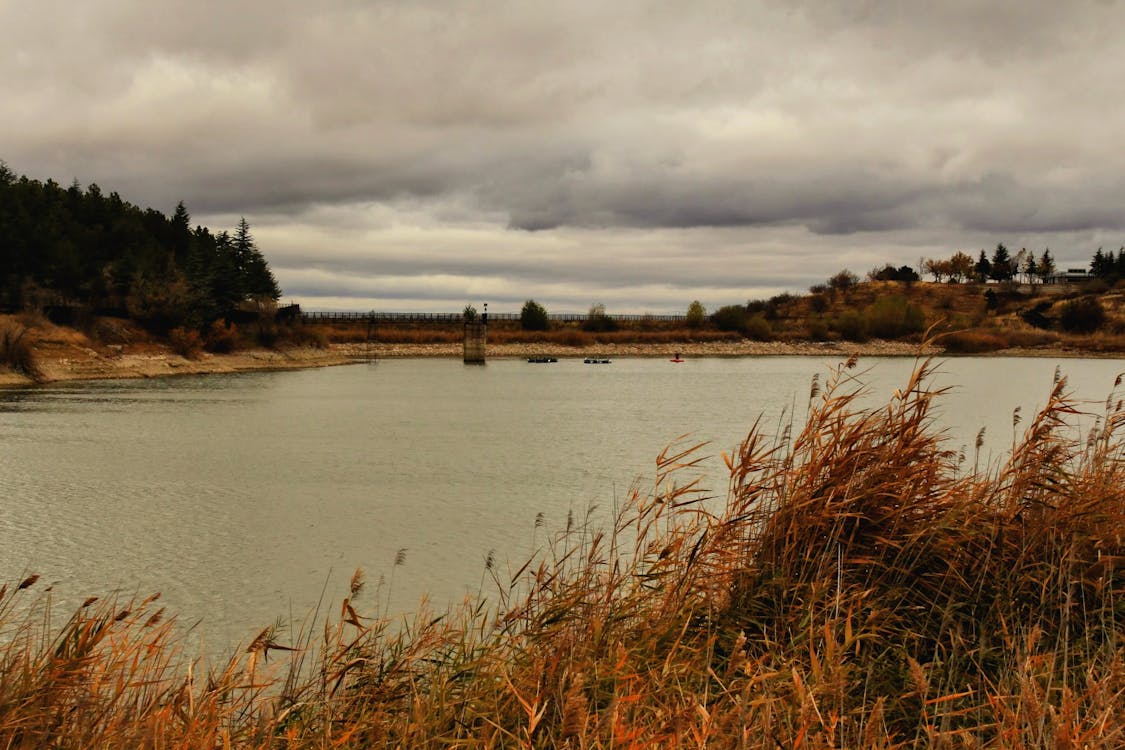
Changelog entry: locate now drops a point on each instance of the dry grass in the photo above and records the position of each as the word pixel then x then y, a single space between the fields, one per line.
pixel 16 351
pixel 572 336
pixel 862 586
pixel 984 340
pixel 506 334
pixel 357 334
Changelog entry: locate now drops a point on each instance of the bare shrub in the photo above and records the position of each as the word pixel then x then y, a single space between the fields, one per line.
pixel 16 352
pixel 186 342
pixel 221 337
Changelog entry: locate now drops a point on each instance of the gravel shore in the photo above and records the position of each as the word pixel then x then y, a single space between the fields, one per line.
pixel 75 362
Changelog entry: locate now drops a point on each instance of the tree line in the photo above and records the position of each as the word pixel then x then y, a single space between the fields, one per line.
pixel 1003 265
pixel 78 248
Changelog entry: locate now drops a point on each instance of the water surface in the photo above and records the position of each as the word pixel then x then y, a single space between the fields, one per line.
pixel 241 497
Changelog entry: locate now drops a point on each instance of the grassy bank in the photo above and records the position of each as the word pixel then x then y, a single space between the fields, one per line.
pixel 863 585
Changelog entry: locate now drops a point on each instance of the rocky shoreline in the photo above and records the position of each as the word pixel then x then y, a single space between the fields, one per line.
pixel 70 363
pixel 692 349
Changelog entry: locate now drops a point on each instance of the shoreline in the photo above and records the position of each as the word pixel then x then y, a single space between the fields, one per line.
pixel 83 363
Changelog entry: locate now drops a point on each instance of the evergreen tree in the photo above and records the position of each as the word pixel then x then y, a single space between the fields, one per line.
pixel 82 247
pixel 1030 268
pixel 1046 266
pixel 180 233
pixel 1001 264
pixel 1102 264
pixel 983 268
pixel 533 316
pixel 255 279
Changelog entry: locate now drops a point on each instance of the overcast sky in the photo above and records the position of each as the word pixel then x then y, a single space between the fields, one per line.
pixel 428 154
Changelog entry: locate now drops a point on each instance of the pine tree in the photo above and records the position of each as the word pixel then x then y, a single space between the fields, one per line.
pixel 1046 266
pixel 1001 264
pixel 1030 268
pixel 256 279
pixel 983 268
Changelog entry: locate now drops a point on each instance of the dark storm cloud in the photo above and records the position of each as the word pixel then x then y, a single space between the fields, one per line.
pixel 358 134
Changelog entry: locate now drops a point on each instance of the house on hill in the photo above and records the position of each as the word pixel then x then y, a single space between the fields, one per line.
pixel 1071 276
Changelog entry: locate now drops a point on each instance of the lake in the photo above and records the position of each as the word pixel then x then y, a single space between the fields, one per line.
pixel 243 497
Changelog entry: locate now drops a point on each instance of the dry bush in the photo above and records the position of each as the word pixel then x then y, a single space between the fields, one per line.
pixel 221 338
pixel 186 342
pixel 16 351
pixel 111 331
pixel 864 585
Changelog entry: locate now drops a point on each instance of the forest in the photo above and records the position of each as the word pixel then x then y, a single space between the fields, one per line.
pixel 73 249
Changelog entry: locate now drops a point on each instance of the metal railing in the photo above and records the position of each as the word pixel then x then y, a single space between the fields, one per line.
pixel 430 317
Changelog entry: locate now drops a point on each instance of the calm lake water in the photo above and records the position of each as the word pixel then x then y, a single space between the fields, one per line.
pixel 243 497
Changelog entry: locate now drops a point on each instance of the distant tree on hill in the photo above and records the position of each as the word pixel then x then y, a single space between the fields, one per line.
pixel 938 269
pixel 696 314
pixel 890 273
pixel 1001 264
pixel 1106 267
pixel 1046 266
pixel 961 266
pixel 983 267
pixel 597 321
pixel 533 316
pixel 1102 264
pixel 843 282
pixel 1030 268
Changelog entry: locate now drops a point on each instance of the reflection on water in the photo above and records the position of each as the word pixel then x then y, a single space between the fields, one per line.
pixel 241 497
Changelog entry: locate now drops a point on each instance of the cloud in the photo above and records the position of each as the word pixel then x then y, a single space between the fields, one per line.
pixel 527 125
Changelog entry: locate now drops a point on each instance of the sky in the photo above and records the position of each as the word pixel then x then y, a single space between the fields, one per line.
pixel 430 154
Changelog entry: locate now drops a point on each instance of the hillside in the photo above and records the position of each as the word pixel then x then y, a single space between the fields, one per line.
pixel 968 317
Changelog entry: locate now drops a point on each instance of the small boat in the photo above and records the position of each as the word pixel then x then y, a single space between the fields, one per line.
pixel 595 361
pixel 541 360
pixel 676 358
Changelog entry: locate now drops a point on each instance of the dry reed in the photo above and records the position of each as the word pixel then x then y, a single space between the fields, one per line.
pixel 16 351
